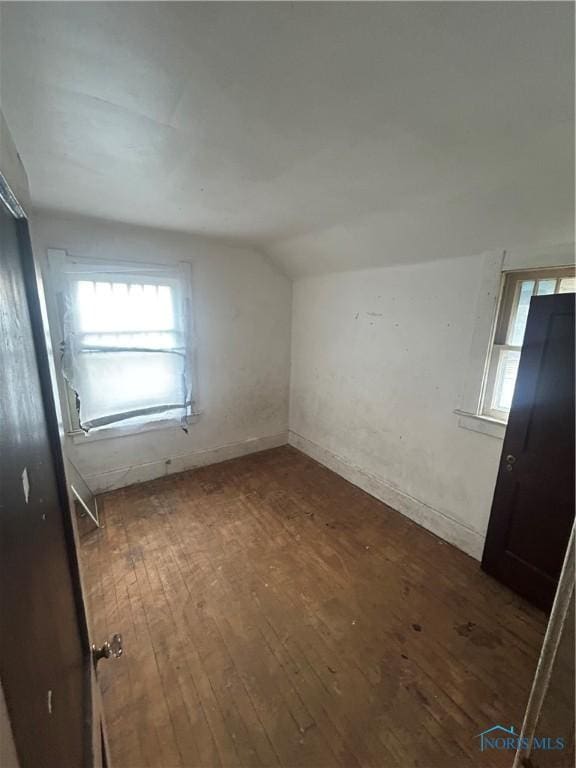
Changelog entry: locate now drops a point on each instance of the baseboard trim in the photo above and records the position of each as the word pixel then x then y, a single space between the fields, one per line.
pixel 439 523
pixel 141 473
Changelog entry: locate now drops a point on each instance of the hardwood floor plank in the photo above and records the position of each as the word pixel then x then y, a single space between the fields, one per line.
pixel 275 615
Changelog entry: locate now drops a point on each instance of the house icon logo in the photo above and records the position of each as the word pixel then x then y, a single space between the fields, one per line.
pixel 498 737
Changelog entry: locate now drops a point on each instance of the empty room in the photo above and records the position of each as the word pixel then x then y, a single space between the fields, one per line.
pixel 287 450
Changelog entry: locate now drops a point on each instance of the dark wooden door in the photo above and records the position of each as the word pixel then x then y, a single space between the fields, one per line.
pixel 533 506
pixel 45 663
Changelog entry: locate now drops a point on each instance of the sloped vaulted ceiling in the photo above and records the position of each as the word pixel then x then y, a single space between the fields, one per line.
pixel 333 136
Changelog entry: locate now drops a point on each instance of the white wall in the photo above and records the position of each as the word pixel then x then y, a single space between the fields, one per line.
pixel 378 363
pixel 380 360
pixel 242 307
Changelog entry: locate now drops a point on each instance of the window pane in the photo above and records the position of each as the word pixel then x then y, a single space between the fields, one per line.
pixel 520 316
pixel 546 287
pixel 126 351
pixel 567 285
pixel 122 382
pixel 104 307
pixel 505 379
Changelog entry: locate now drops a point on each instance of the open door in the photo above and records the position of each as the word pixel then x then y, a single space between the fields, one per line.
pixel 533 506
pixel 46 663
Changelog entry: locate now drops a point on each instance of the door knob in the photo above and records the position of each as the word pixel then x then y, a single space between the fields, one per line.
pixel 111 648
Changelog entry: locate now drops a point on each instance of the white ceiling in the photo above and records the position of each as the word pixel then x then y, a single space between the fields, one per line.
pixel 332 135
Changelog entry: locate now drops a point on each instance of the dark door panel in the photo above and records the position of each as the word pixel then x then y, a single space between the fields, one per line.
pixel 533 506
pixel 44 651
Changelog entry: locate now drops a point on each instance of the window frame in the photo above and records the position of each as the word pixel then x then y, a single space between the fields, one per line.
pixel 509 298
pixel 66 269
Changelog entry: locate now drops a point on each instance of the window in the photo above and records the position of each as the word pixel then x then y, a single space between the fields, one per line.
pixel 126 344
pixel 519 287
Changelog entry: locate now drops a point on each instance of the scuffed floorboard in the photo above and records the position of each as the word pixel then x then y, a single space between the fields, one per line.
pixel 275 615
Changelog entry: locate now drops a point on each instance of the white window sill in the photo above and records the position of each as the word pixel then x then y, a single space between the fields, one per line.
pixel 79 437
pixel 483 424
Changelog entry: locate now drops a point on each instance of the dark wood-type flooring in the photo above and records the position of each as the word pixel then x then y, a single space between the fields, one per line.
pixel 275 615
